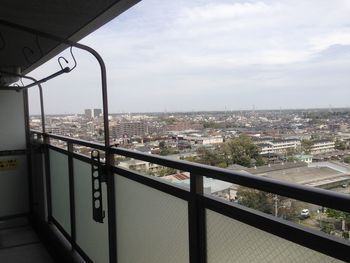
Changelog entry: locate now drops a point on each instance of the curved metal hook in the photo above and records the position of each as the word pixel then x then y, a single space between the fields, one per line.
pixel 25 55
pixel 59 61
pixel 3 42
pixel 26 49
pixel 66 61
pixel 75 62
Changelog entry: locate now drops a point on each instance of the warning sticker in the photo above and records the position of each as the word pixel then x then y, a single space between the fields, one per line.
pixel 6 165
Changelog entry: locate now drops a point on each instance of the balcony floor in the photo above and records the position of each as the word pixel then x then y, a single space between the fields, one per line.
pixel 19 243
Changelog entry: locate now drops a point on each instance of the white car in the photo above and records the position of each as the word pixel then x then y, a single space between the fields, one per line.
pixel 305 213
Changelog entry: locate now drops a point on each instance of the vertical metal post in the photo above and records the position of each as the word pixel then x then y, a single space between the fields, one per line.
pixel 42 108
pixel 196 221
pixel 71 193
pixel 46 140
pixel 28 151
pixel 112 224
pixel 112 229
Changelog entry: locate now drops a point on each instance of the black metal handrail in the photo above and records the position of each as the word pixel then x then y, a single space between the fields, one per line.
pixel 300 192
pixel 309 194
pixel 199 202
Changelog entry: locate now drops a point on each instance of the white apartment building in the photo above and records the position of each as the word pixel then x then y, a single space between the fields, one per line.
pixel 129 129
pixel 205 140
pixel 322 146
pixel 279 146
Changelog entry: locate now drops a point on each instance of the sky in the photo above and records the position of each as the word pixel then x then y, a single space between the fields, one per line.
pixel 194 55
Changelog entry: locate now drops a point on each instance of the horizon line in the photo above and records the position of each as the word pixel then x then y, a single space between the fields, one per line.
pixel 197 111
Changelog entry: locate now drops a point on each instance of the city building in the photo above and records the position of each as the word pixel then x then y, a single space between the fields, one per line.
pixel 92 113
pixel 322 146
pixel 325 175
pixel 307 158
pixel 129 129
pixel 204 140
pixel 279 146
pixel 211 186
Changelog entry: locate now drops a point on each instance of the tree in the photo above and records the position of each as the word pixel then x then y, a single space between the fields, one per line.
pixel 210 157
pixel 168 151
pixel 287 208
pixel 339 215
pixel 306 145
pixel 211 124
pixel 256 199
pixel 290 152
pixel 328 228
pixel 339 145
pixel 162 144
pixel 241 151
pixel 347 159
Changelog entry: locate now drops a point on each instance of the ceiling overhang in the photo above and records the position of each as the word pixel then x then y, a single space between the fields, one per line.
pixel 67 20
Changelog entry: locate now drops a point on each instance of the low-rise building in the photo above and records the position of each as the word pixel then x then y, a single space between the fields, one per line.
pixel 322 146
pixel 278 146
pixel 205 140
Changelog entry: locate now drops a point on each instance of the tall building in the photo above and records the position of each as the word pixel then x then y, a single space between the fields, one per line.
pixel 92 113
pixel 129 129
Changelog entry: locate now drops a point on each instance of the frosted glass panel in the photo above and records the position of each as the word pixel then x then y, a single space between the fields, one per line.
pixel 12 128
pixel 151 226
pixel 60 189
pixel 92 237
pixel 229 240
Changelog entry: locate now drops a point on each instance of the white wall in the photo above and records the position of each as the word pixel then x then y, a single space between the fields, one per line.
pixel 13 182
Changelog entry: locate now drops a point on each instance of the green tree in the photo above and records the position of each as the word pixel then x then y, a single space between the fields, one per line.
pixel 290 152
pixel 168 151
pixel 256 199
pixel 211 124
pixel 328 228
pixel 306 145
pixel 339 145
pixel 340 215
pixel 162 144
pixel 210 157
pixel 347 159
pixel 288 209
pixel 241 151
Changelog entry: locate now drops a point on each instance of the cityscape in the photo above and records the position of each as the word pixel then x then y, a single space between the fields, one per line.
pixel 309 147
pixel 205 131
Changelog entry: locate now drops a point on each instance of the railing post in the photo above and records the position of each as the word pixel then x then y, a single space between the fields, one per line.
pixel 28 151
pixel 71 193
pixel 196 221
pixel 46 141
pixel 112 225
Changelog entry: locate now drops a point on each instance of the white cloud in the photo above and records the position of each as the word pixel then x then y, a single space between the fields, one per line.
pixel 211 50
pixel 327 40
pixel 223 11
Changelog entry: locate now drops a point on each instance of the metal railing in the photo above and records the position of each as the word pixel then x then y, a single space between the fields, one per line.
pixel 198 201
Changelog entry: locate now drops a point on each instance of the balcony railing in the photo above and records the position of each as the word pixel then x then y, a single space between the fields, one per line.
pixel 148 219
